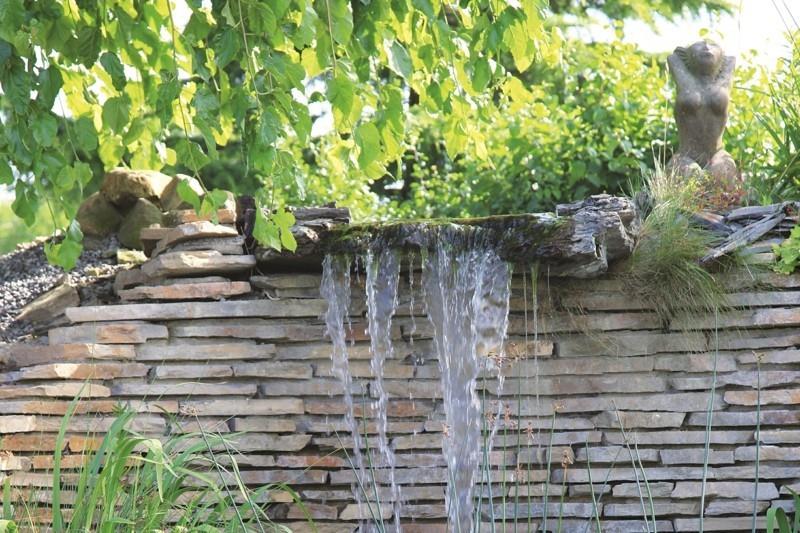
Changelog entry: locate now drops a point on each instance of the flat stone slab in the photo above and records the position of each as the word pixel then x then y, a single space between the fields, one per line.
pixel 223 245
pixel 173 264
pixel 185 310
pixel 182 216
pixel 19 355
pixel 114 333
pixel 186 291
pixel 191 231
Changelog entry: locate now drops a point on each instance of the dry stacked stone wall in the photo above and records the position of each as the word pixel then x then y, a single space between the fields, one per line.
pixel 259 363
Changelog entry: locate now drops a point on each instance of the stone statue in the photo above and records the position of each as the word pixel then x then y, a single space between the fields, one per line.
pixel 703 75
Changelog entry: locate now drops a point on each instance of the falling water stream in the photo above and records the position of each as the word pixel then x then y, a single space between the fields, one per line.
pixel 335 288
pixel 383 272
pixel 466 292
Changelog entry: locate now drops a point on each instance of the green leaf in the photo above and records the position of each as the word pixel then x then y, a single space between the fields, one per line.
pixel 87 44
pixel 16 83
pixel 85 134
pixel 113 66
pixel 116 113
pixel 368 139
pixel 481 74
pixel 340 17
pixel 266 232
pixel 12 17
pixel 399 60
pixel 111 150
pixel 284 219
pixel 66 253
pixel 191 155
pixel 341 95
pixel 226 46
pixel 188 195
pixel 522 47
pixel 45 129
pixel 83 173
pixel 198 27
pixel 50 83
pixel 26 203
pixel 6 175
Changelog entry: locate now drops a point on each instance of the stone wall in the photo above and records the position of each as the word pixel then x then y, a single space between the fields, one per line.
pixel 260 363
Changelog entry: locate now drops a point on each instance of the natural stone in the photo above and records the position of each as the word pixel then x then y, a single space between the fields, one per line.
pixel 747 418
pixel 170 199
pixel 192 371
pixel 632 344
pixel 273 369
pixel 267 424
pixel 767 453
pixel 683 437
pixel 272 406
pixel 192 231
pixel 186 291
pixel 223 245
pixel 614 454
pixel 107 332
pixel 83 371
pixel 19 355
pixel 725 489
pixel 284 281
pixel 124 186
pixel 67 390
pixel 182 216
pixel 130 257
pixel 129 278
pixel 182 389
pixel 51 305
pixel 228 349
pixel 779 436
pixel 142 215
pixel 659 489
pixel 97 216
pixel 723 524
pixel 635 419
pixel 173 264
pixel 659 508
pixel 727 507
pixel 17 424
pixel 10 462
pixel 696 456
pixel 767 397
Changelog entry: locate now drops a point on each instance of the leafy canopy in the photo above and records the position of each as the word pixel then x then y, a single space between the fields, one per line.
pixel 141 90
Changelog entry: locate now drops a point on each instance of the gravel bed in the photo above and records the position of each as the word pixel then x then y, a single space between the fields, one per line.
pixel 25 274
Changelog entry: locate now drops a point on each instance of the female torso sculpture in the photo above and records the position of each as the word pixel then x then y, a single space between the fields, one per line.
pixel 703 75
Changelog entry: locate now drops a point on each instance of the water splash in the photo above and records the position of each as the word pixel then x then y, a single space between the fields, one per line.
pixel 383 273
pixel 335 288
pixel 467 298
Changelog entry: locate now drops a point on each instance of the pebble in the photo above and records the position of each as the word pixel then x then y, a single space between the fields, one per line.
pixel 25 274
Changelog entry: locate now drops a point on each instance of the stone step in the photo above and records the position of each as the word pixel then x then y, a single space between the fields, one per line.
pixel 174 264
pixel 186 291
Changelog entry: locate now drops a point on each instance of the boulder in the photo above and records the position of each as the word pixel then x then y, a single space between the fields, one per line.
pixel 98 216
pixel 142 215
pixel 170 199
pixel 123 186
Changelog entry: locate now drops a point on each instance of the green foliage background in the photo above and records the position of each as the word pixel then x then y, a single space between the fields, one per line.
pixel 456 108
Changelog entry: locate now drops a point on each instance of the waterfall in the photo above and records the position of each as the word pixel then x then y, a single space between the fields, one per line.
pixel 467 298
pixel 335 288
pixel 383 273
pixel 466 293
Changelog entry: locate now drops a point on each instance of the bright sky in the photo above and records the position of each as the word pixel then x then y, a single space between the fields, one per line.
pixel 758 25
